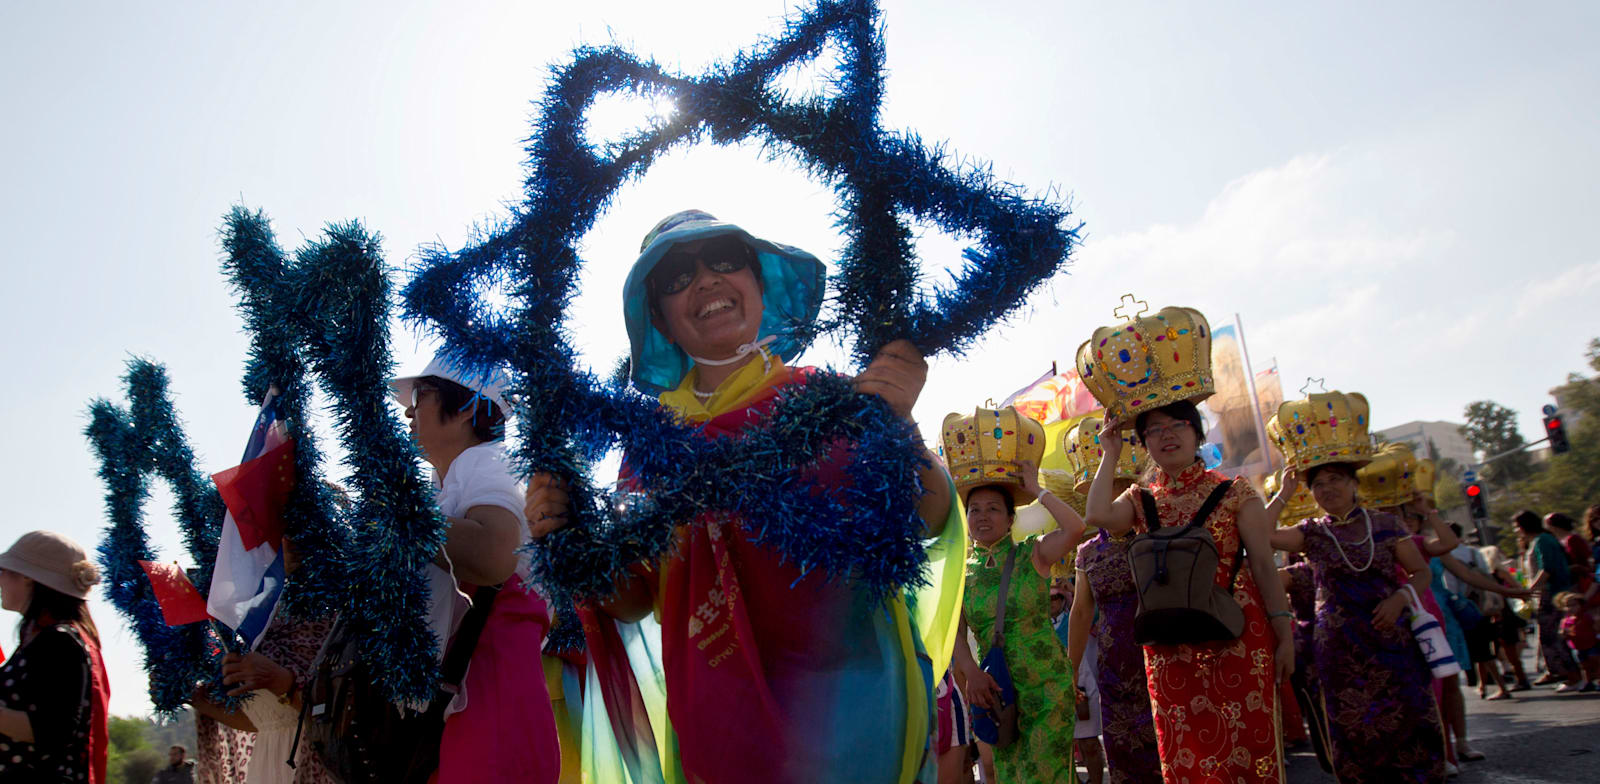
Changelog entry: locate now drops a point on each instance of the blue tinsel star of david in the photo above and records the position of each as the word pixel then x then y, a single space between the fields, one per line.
pixel 882 179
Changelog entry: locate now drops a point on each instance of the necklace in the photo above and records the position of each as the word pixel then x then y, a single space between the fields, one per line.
pixel 703 396
pixel 1372 549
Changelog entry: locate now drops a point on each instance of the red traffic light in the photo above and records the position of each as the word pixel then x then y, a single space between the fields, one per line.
pixel 1473 491
pixel 1553 423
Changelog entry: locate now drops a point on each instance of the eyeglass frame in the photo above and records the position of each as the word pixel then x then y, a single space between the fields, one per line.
pixel 675 271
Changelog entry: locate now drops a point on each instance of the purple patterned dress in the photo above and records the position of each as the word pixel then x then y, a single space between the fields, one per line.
pixel 1383 721
pixel 1128 729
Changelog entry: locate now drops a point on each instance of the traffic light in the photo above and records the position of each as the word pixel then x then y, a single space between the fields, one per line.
pixel 1557 433
pixel 1475 501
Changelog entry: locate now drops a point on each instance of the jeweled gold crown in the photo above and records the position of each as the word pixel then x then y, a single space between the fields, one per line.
pixel 1299 506
pixel 1148 362
pixel 984 449
pixel 1390 479
pixel 1061 484
pixel 1324 427
pixel 1424 477
pixel 1080 444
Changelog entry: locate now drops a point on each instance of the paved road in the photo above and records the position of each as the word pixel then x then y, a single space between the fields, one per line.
pixel 1538 738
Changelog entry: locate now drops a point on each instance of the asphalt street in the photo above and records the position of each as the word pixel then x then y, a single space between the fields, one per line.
pixel 1538 738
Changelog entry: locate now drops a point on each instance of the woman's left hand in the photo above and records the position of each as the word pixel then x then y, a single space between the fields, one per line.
pixel 896 374
pixel 1028 474
pixel 1388 610
pixel 252 671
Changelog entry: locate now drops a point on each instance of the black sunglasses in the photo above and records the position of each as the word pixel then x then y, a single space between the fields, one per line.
pixel 722 255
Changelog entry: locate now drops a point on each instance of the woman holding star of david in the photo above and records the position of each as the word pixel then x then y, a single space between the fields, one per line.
pixel 769 674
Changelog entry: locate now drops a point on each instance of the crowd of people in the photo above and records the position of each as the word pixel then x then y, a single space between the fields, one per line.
pixel 1019 658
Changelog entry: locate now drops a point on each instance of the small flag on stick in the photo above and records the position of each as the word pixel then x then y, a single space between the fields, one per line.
pixel 181 603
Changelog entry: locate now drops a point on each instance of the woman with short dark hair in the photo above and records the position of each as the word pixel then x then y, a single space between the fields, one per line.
pixel 1545 565
pixel 53 689
pixel 1215 703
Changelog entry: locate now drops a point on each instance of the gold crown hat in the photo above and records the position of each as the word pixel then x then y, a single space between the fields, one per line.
pixel 985 448
pixel 1323 427
pixel 1080 444
pixel 1389 480
pixel 1426 474
pixel 1147 362
pixel 1298 507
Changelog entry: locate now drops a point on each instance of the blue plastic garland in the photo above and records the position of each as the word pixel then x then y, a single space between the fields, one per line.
pixel 131 447
pixel 328 313
pixel 873 535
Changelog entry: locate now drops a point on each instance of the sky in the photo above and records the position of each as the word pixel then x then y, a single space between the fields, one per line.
pixel 1396 198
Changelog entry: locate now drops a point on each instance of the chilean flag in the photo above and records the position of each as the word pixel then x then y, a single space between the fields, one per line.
pixel 249 574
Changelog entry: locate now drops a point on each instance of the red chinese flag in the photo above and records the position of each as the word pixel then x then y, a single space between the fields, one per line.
pixel 180 601
pixel 255 492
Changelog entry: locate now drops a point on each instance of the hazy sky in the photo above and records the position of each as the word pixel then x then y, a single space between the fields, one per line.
pixel 1398 199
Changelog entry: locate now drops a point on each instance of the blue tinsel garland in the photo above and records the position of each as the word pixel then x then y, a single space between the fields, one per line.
pixel 133 444
pixel 870 533
pixel 328 313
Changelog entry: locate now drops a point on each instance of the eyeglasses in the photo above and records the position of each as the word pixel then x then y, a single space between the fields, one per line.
pixel 1157 431
pixel 722 255
pixel 417 390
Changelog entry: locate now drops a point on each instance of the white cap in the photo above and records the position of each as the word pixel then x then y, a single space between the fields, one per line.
pixel 490 383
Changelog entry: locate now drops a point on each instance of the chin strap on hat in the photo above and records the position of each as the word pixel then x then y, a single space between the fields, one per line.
pixel 743 351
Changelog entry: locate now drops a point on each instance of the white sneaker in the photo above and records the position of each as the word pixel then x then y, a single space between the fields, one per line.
pixel 1451 770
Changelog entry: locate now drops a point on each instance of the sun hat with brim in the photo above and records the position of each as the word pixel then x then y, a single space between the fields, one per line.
pixel 54 561
pixel 490 384
pixel 793 283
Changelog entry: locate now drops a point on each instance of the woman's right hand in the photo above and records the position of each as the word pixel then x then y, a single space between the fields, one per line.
pixel 1110 440
pixel 547 504
pixel 982 689
pixel 1388 610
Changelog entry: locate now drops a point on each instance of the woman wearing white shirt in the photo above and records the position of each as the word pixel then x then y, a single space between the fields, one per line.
pixel 500 726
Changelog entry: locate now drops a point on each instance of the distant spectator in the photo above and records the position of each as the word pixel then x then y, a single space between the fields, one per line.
pixel 179 769
pixel 1591 526
pixel 1578 629
pixel 1580 556
pixel 1546 569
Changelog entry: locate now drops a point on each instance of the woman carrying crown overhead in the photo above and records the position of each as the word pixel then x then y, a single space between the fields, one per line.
pixel 770 673
pixel 1372 677
pixel 1214 698
pixel 1105 589
pixel 992 457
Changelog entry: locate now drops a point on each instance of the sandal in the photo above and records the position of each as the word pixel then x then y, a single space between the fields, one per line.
pixel 1469 755
pixel 1503 695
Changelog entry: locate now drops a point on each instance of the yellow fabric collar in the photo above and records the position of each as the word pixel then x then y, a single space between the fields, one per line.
pixel 732 393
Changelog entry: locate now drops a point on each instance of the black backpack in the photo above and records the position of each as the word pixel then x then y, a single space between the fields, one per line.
pixel 1174 574
pixel 355 730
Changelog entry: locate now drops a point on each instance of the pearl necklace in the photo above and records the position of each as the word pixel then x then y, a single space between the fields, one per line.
pixel 1372 550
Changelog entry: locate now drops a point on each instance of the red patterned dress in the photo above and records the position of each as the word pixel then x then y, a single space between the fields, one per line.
pixel 1215 704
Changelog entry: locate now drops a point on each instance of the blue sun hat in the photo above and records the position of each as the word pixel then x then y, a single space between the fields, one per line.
pixel 792 286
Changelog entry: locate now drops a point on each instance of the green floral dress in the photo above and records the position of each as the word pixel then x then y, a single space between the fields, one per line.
pixel 1039 665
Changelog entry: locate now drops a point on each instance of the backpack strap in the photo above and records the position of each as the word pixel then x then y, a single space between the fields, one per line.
pixel 1152 517
pixel 997 639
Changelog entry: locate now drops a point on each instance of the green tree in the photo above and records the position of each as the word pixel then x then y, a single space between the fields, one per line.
pixel 1492 429
pixel 1570 483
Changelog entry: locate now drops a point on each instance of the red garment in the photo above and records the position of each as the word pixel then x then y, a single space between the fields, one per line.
pixel 1579 631
pixel 1580 559
pixel 99 702
pixel 1215 704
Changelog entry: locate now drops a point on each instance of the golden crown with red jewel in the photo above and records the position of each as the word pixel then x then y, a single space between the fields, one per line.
pixel 1323 427
pixel 1148 361
pixel 1080 445
pixel 1390 479
pixel 986 448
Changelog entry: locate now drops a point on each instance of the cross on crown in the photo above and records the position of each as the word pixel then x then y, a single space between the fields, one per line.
pixel 1125 310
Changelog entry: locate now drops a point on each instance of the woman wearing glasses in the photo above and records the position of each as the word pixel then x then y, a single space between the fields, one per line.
pixel 770 673
pixel 1215 703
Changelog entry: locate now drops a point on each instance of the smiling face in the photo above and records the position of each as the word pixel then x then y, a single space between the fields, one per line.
pixel 1172 442
pixel 713 313
pixel 1334 490
pixel 16 590
pixel 988 517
